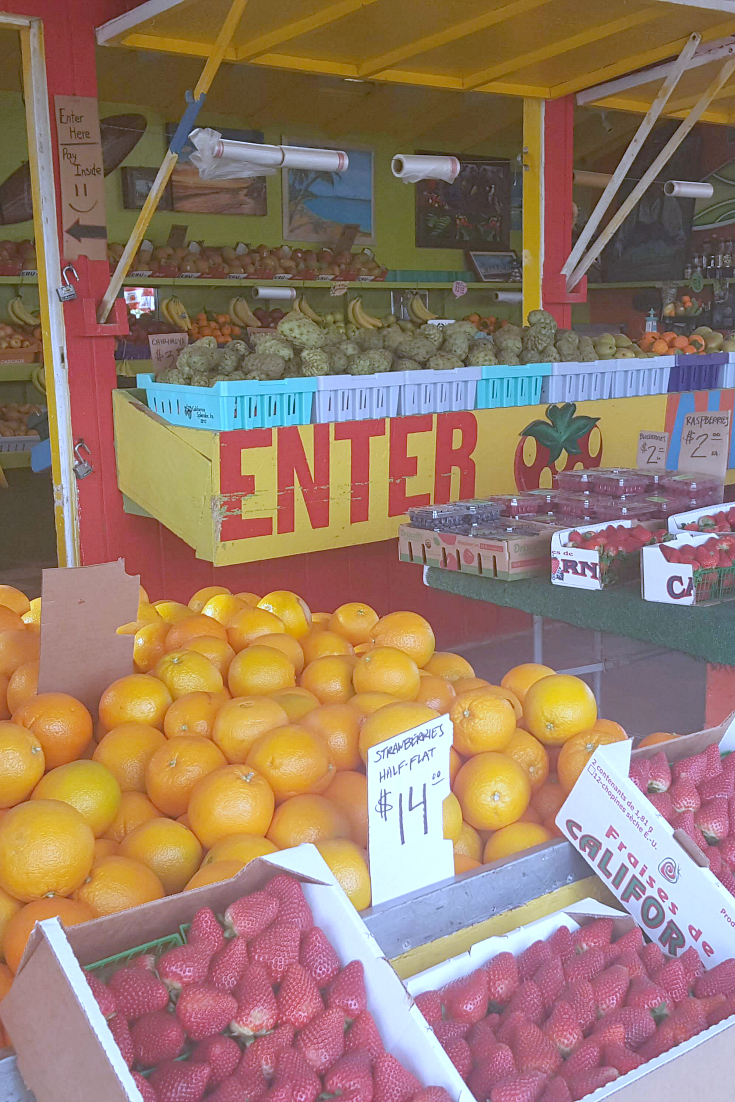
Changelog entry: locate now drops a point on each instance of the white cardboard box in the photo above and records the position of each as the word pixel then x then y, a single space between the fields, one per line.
pixel 576 566
pixel 678 521
pixel 672 583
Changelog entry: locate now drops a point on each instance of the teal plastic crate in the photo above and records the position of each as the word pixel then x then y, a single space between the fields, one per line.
pixel 511 386
pixel 237 405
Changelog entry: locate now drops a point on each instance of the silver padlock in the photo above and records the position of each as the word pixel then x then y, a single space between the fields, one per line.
pixel 66 292
pixel 82 467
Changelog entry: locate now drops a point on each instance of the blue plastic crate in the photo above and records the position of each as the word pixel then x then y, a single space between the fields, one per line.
pixel 511 386
pixel 237 405
pixel 697 372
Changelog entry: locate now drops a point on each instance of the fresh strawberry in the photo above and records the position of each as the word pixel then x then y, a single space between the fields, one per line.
pixel 293 907
pixel 511 1022
pixel 719 980
pixel 363 1033
pixel 632 963
pixel 588 1081
pixel 180 1081
pixel 348 1071
pixel 497 1065
pixel 257 1008
pixel 393 1082
pixel 652 958
pixel 276 948
pixel 557 1090
pixel 638 1024
pixel 298 998
pixel 460 1054
pixel 184 965
pixel 481 1036
pixel 146 961
pixel 717 1008
pixel 726 850
pixel 502 980
pixel 563 1029
pixel 322 1041
pixel 585 966
pixel 596 935
pixel 318 955
pixel 103 996
pixel 432 1094
pixel 206 931
pixel 283 1092
pixel 137 991
pixel 727 879
pixel 632 940
pixel 643 994
pixel 672 978
pixel 120 1030
pixel 449 1029
pixel 347 990
pixel 522 1087
pixel 549 979
pixel 684 795
pixel 581 998
pixel 609 989
pixel 228 964
pixel 663 804
pixel 532 958
pixel 292 1068
pixel 561 942
pixel 713 762
pixel 528 1002
pixel 534 1051
pixel 157 1036
pixel 621 1058
pixel 223 1056
pixel 693 768
pixel 713 819
pixel 204 1011
pixel 231 1090
pixel 607 1032
pixel 721 785
pixel 260 1057
pixel 692 965
pixel 251 914
pixel 583 1058
pixel 466 999
pixel 662 1040
pixel 684 821
pixel 688 1019
pixel 659 773
pixel 430 1005
pixel 638 773
pixel 147 1092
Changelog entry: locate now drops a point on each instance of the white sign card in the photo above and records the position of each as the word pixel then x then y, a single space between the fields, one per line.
pixel 705 443
pixel 165 348
pixel 652 451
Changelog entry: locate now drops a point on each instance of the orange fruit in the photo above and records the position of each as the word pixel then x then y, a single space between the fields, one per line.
pixel 86 785
pixel 172 772
pixel 463 863
pixel 105 847
pixel 61 724
pixel 10 620
pixel 167 848
pixel 348 865
pixel 287 645
pixel 468 842
pixel 239 847
pixel 530 754
pixel 248 597
pixel 464 684
pixel 6 982
pixel 172 611
pixel 437 692
pixel 293 759
pixel 354 621
pixel 406 631
pixel 193 714
pixel 32 618
pixel 258 671
pixel 656 738
pixel 482 721
pixel 577 751
pixel 452 667
pixel 367 703
pixel 559 706
pixel 218 651
pixel 530 815
pixel 22 763
pixel 213 874
pixel 451 817
pixel 194 627
pixel 455 764
pixel 222 607
pixel 45 847
pixel 8 907
pixel 246 626
pixel 149 645
pixel 330 678
pixel 241 722
pixel 20 927
pixel 610 727
pixel 388 670
pixel 506 694
pixel 512 839
pixel 137 698
pixel 307 818
pixel 290 608
pixel 116 884
pixel 296 702
pixel 12 598
pixel 320 620
pixel 17 646
pixel 493 791
pixel 186 671
pixel 339 727
pixel 390 720
pixel 520 679
pixel 199 599
pixel 233 800
pixel 549 797
pixel 4 710
pixel 135 808
pixel 348 791
pixel 318 644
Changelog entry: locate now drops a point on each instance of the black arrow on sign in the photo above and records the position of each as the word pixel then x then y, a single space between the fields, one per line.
pixel 79 231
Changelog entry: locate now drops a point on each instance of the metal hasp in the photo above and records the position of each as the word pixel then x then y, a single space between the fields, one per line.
pixel 66 292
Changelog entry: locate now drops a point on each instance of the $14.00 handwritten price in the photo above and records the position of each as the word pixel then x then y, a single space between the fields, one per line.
pixel 406 804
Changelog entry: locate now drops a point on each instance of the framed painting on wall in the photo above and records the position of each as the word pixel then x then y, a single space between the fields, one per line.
pixel 473 212
pixel 192 195
pixel 136 183
pixel 318 205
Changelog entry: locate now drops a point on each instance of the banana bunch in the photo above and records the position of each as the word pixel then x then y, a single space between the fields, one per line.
pixel 38 378
pixel 418 312
pixel 301 306
pixel 19 313
pixel 241 313
pixel 174 312
pixel 359 317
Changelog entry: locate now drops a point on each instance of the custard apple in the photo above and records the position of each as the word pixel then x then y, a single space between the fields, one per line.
pixel 265 364
pixel 392 337
pixel 456 341
pixel 300 331
pixel 433 333
pixel 444 361
pixel 349 348
pixel 314 361
pixel 481 354
pixel 416 348
pixel 368 339
pixel 408 365
pixel 338 360
pixel 274 346
pixel 371 362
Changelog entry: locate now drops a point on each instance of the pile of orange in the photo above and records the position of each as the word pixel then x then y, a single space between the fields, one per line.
pixel 667 344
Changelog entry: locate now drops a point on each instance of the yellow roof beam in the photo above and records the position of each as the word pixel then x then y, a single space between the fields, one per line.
pixel 690 100
pixel 163 45
pixel 621 103
pixel 449 34
pixel 265 42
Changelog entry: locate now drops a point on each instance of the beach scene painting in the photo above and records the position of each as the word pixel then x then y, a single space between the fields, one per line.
pixel 192 195
pixel 318 205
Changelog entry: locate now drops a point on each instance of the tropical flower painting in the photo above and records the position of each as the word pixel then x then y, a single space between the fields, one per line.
pixel 318 205
pixel 471 213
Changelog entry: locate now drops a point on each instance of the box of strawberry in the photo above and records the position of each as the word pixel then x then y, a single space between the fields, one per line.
pixel 693 568
pixel 594 556
pixel 276 992
pixel 579 1003
pixel 713 521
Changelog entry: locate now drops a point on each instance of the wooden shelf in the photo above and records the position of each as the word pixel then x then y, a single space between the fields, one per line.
pixel 10 460
pixel 323 285
pixel 16 373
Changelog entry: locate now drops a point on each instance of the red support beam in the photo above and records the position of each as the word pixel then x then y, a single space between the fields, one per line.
pixel 558 215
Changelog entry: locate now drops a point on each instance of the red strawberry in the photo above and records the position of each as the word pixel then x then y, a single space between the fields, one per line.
pixel 497 1065
pixel 643 994
pixel 533 1051
pixel 557 1090
pixel 432 1094
pixel 692 965
pixel 227 965
pixel 661 1041
pixel 663 804
pixel 298 997
pixel 563 1029
pixel 719 980
pixel 347 990
pixel 349 1071
pixel 684 795
pixel 510 1024
pixel 157 1036
pixel 231 1090
pixel 322 1041
pixel 638 773
pixel 466 999
pixel 713 762
pixel 528 1002
pixel 621 1058
pixel 318 956
pixel 659 773
pixel 430 1005
pixel 184 965
pixel 684 820
pixel 638 1024
pixel 581 998
pixel 460 1054
pixel 293 907
pixel 281 1093
pixel 652 958
pixel 104 997
pixel 562 942
pixel 713 819
pixel 588 1081
pixel 448 1030
pixel 583 1058
pixel 146 961
pixel 481 1036
pixel 721 785
pixel 727 852
pixel 525 1087
pixel 147 1092
pixel 206 931
pixel 585 966
pixel 718 1008
pixel 222 1054
pixel 260 1057
pixel 609 989
pixel 606 1032
pixel 502 980
pixel 549 979
pixel 712 854
pixel 363 1033
pixel 687 1020
pixel 204 1011
pixel 257 1009
pixel 694 768
pixel 276 948
pixel 120 1030
pixel 137 991
pixel 393 1082
pixel 292 1068
pixel 596 935
pixel 632 940
pixel 672 978
pixel 532 958
pixel 632 963
pixel 180 1081
pixel 251 914
pixel 727 879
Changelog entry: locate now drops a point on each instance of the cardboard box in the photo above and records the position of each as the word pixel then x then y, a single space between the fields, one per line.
pixel 507 558
pixel 678 521
pixel 584 569
pixel 658 874
pixel 681 583
pixel 65 1050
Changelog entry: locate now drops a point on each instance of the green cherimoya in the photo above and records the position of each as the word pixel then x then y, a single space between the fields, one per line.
pixel 416 348
pixel 199 378
pixel 349 348
pixel 272 345
pixel 433 333
pixel 509 359
pixel 481 354
pixel 300 331
pixel 457 338
pixel 544 318
pixel 392 337
pixel 444 361
pixel 371 362
pixel 266 364
pixel 408 365
pixel 568 353
pixel 315 361
pixel 368 339
pixel 338 360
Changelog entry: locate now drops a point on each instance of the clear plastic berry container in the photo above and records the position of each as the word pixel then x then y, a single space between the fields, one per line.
pixel 516 505
pixel 616 481
pixel 577 482
pixel 638 511
pixel 664 504
pixel 437 517
pixel 480 509
pixel 653 477
pixel 702 489
pixel 502 531
pixel 546 497
pixel 574 505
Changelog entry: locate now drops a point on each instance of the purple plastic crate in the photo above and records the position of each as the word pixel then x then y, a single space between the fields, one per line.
pixel 696 372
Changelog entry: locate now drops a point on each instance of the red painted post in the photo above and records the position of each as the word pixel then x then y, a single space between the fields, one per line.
pixel 558 215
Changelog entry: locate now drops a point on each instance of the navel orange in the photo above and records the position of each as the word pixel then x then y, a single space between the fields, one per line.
pixel 187 671
pixel 437 692
pixel 223 606
pixel 135 808
pixel 464 684
pixel 453 667
pixel 577 751
pixel 87 786
pixel 610 727
pixel 137 698
pixel 559 706
pixel 390 720
pixel 295 701
pixel 406 631
pixel 330 678
pixel 22 763
pixel 13 598
pixel 32 618
pixel 61 724
pixel 193 627
pixel 248 597
pixel 293 759
pixel 290 608
pixel 199 599
pixel 482 721
pixel 347 863
pixel 217 651
pixel 468 842
pixel 339 726
pixel 451 817
pixel 10 620
pixel 243 848
pixel 246 626
pixel 234 800
pixel 520 679
pixel 126 750
pixel 463 863
pixel 241 722
pixel 530 754
pixel 354 621
pixel 287 645
pixel 213 874
pixel 172 772
pixel 167 848
pixel 46 848
pixel 387 670
pixel 20 927
pixel 548 798
pixel 656 738
pixel 258 671
pixel 193 714
pixel 307 818
pixel 319 644
pixel 17 646
pixel 172 611
pixel 367 703
pixel 493 791
pixel 513 839
pixel 149 645
pixel 8 907
pixel 116 884
pixel 348 792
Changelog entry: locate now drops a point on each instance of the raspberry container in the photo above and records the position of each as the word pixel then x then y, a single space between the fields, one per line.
pixel 435 518
pixel 516 505
pixel 546 497
pixel 701 489
pixel 500 530
pixel 480 509
pixel 616 481
pixel 577 482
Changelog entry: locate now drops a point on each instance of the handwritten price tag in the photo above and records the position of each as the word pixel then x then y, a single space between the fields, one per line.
pixel 705 443
pixel 459 288
pixel 165 348
pixel 339 287
pixel 652 450
pixel 408 780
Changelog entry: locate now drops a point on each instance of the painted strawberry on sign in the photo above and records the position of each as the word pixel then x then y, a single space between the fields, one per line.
pixel 562 432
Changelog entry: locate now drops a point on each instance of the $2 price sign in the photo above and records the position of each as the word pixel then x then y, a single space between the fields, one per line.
pixel 408 781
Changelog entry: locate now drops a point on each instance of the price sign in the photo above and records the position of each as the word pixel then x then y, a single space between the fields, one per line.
pixel 339 287
pixel 165 348
pixel 408 780
pixel 652 450
pixel 459 288
pixel 705 443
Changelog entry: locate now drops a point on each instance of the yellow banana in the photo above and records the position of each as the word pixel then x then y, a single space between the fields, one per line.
pixel 419 312
pixel 242 314
pixel 38 378
pixel 362 318
pixel 307 310
pixel 176 312
pixel 20 313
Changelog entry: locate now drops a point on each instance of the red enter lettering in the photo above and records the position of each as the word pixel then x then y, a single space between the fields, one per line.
pixel 401 465
pixel 448 456
pixel 359 433
pixel 293 465
pixel 233 482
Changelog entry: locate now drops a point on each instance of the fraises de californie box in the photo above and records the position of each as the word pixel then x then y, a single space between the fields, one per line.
pixel 505 557
pixel 658 874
